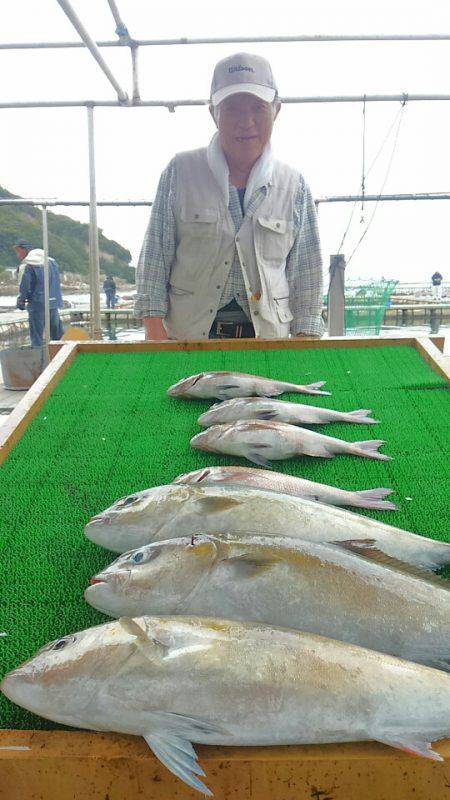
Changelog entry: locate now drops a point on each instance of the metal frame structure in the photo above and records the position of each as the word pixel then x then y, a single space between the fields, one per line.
pixel 125 40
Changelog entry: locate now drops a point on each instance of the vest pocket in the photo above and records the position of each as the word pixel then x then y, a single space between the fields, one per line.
pixel 179 292
pixel 275 238
pixel 283 310
pixel 198 222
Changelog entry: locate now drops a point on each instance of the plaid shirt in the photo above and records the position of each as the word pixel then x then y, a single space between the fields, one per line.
pixel 303 265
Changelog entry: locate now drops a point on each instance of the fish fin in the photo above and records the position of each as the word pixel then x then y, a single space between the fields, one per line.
pixel 317 450
pixel 312 388
pixel 174 752
pixel 258 458
pixel 370 449
pixel 150 646
pixel 373 498
pixel 367 548
pixel 223 387
pixel 415 746
pixel 248 566
pixel 362 415
pixel 211 505
pixel 266 415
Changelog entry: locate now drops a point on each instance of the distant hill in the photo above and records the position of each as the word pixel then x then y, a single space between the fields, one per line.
pixel 68 240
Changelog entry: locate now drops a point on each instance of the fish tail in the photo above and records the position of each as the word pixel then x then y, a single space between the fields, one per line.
pixel 374 498
pixel 369 449
pixel 310 388
pixel 362 416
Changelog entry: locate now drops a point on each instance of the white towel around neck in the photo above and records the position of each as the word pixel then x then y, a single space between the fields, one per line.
pixel 260 175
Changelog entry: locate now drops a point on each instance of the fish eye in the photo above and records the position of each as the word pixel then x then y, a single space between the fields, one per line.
pixel 60 644
pixel 142 557
pixel 128 500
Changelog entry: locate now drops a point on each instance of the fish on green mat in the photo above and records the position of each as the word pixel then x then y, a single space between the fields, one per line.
pixel 248 477
pixel 259 441
pixel 183 680
pixel 375 601
pixel 224 385
pixel 166 512
pixel 240 408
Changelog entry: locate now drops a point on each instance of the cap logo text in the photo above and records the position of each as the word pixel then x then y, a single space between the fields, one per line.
pixel 240 68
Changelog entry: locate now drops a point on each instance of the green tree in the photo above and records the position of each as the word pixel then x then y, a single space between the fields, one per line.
pixel 68 240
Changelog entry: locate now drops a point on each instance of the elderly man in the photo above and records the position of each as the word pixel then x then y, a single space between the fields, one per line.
pixel 232 247
pixel 32 291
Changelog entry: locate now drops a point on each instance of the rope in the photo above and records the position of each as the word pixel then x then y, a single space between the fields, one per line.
pixel 372 164
pixel 400 120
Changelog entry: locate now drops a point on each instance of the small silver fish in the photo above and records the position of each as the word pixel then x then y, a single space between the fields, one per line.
pixel 224 385
pixel 288 484
pixel 241 408
pixel 260 441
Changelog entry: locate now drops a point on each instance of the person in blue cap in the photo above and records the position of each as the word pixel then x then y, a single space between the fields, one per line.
pixel 31 291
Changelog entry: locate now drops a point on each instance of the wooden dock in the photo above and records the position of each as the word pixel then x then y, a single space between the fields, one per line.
pixel 399 314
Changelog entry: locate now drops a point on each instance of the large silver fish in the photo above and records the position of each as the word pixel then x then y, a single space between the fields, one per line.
pixel 259 441
pixel 269 480
pixel 166 512
pixel 274 580
pixel 241 408
pixel 180 680
pixel 236 384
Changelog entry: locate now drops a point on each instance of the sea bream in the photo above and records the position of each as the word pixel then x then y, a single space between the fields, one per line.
pixel 166 512
pixel 374 602
pixel 264 408
pixel 224 385
pixel 260 441
pixel 179 680
pixel 248 477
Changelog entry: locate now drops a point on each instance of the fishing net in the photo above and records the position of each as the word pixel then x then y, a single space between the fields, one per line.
pixel 365 306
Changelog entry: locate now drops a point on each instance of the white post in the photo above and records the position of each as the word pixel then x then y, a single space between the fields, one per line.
pixel 336 296
pixel 46 336
pixel 94 263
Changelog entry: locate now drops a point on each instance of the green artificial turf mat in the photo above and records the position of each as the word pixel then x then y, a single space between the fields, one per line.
pixel 109 429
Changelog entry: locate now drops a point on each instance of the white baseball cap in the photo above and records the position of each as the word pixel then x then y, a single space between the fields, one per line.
pixel 243 72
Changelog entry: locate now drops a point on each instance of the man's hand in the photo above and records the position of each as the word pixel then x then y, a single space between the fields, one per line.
pixel 306 336
pixel 20 306
pixel 154 329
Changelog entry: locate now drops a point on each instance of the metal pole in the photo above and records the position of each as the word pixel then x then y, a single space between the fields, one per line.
pixel 91 45
pixel 94 263
pixel 121 28
pixel 134 66
pixel 425 37
pixel 350 198
pixel 171 104
pixel 336 296
pixel 46 286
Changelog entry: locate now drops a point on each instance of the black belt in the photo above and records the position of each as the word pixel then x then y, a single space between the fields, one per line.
pixel 232 330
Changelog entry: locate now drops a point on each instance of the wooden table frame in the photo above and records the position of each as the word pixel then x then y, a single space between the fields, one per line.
pixel 59 765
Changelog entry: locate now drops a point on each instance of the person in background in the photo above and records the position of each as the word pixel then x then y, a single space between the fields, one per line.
pixel 32 293
pixel 232 246
pixel 109 288
pixel 436 280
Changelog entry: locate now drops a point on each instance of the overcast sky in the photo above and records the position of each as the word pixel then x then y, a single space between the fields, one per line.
pixel 44 151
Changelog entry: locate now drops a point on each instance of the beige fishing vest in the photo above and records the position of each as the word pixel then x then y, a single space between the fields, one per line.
pixel 207 240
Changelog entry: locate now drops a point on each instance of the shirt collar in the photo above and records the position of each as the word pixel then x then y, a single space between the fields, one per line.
pixel 260 175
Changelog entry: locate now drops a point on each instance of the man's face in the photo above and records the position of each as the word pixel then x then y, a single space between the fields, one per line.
pixel 20 252
pixel 245 125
